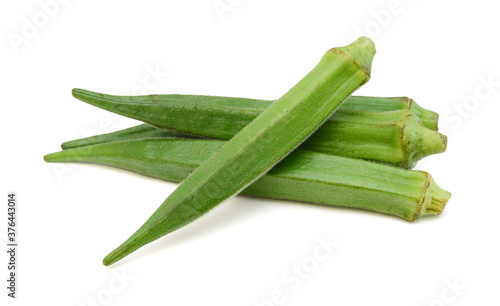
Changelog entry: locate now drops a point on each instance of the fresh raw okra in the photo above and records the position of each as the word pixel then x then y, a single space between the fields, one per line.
pixel 222 117
pixel 302 176
pixel 391 137
pixel 261 144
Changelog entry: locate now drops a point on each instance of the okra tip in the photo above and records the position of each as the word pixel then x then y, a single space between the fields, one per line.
pixel 361 51
pixel 69 144
pixel 55 157
pixel 48 158
pixel 115 256
pixel 71 155
pixel 78 92
pixel 90 97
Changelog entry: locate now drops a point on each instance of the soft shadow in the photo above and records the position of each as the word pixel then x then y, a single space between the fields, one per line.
pixel 233 211
pixel 225 216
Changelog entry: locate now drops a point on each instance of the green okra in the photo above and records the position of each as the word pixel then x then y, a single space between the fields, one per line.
pixel 302 176
pixel 260 145
pixel 222 117
pixel 396 137
pixel 391 137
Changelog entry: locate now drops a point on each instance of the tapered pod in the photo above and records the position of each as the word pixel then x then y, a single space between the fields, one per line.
pixel 222 117
pixel 260 145
pixel 391 137
pixel 302 176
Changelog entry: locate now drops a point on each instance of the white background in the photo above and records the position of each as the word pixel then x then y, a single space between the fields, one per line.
pixel 437 52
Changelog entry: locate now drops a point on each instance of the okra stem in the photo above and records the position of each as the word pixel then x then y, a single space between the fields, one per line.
pixel 428 118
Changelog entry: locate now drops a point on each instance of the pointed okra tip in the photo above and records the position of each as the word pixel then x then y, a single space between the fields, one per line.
pixel 59 157
pixel 120 252
pixel 78 93
pixel 49 157
pixel 110 259
pixel 75 92
pixel 132 244
pixel 362 51
pixel 86 95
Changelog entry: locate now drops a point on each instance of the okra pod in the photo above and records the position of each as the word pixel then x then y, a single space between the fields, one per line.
pixel 302 176
pixel 391 137
pixel 261 144
pixel 225 116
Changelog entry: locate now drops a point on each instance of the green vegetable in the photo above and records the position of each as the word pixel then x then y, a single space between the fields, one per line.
pixel 260 145
pixel 302 176
pixel 226 115
pixel 392 137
